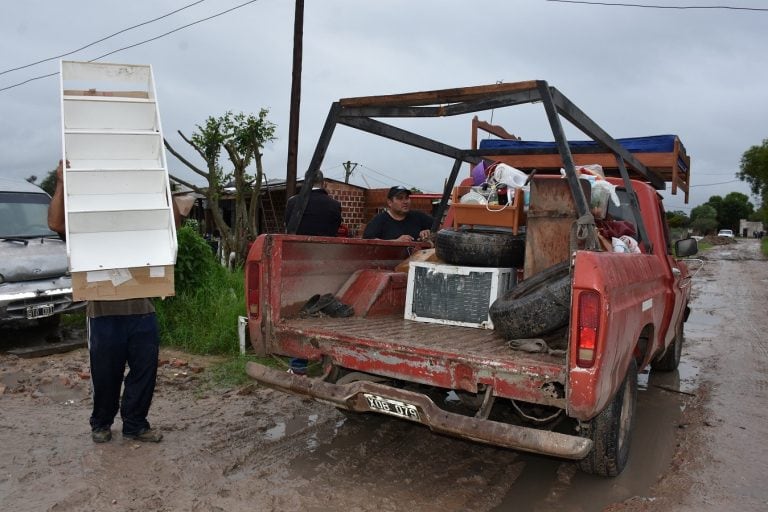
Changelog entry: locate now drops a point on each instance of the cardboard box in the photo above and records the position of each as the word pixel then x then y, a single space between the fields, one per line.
pixel 124 283
pixel 455 295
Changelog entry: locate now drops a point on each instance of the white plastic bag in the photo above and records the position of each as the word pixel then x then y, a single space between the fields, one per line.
pixel 473 197
pixel 630 243
pixel 509 175
pixel 591 170
pixel 602 191
pixel 619 245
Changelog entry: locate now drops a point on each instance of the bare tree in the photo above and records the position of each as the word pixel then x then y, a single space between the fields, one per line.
pixel 248 135
pixel 207 141
pixel 243 137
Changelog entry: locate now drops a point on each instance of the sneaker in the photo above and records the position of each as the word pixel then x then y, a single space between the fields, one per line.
pixel 147 435
pixel 101 435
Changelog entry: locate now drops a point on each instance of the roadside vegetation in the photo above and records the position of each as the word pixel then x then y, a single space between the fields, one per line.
pixel 202 317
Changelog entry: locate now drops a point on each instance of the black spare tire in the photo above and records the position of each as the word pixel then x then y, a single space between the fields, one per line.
pixel 537 306
pixel 480 247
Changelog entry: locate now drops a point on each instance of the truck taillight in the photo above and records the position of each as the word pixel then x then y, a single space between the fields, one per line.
pixel 252 275
pixel 588 326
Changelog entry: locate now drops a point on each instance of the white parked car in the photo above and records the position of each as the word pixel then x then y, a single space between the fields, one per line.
pixel 34 280
pixel 725 232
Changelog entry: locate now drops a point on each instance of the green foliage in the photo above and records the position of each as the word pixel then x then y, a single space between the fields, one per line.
pixel 49 182
pixel 231 372
pixel 754 169
pixel 726 211
pixel 678 233
pixel 704 219
pixel 732 208
pixel 202 317
pixel 194 260
pixel 704 225
pixel 74 320
pixel 247 134
pixel 203 320
pixel 678 219
pixel 705 210
pixel 208 140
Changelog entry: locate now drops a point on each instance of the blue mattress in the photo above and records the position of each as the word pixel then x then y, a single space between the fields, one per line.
pixel 649 144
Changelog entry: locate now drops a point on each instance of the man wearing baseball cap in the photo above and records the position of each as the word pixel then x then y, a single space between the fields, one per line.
pixel 398 221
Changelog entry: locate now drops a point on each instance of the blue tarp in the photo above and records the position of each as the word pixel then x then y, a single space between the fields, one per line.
pixel 649 144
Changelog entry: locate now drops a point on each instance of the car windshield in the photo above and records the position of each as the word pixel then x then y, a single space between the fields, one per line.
pixel 24 215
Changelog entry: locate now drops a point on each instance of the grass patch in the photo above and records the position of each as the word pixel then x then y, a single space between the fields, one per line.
pixel 203 320
pixel 764 246
pixel 74 320
pixel 231 372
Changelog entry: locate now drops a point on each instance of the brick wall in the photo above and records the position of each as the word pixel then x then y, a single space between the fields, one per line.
pixel 352 201
pixel 358 206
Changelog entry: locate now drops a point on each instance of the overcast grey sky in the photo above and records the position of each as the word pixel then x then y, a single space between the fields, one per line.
pixel 697 73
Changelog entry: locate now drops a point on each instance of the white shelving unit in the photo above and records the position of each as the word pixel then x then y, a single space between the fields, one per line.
pixel 118 197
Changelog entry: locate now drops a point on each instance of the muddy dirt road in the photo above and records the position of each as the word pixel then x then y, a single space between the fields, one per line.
pixel 700 442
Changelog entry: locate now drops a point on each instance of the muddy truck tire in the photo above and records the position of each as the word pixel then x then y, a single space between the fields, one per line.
pixel 611 430
pixel 480 248
pixel 536 306
pixel 670 359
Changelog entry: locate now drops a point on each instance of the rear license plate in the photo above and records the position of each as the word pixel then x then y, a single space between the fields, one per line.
pixel 39 311
pixel 393 407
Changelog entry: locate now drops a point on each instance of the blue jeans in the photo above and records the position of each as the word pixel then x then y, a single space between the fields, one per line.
pixel 114 342
pixel 298 366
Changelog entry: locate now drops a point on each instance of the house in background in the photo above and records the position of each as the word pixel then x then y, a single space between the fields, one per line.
pixel 749 229
pixel 358 206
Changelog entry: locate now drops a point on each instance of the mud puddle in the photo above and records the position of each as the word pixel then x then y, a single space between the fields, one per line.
pixel 550 485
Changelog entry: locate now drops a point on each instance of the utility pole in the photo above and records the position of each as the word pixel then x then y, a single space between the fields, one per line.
pixel 293 126
pixel 349 167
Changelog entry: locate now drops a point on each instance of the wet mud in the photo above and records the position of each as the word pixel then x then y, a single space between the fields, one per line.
pixel 699 442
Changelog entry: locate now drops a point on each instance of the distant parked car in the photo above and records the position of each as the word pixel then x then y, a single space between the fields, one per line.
pixel 725 232
pixel 34 280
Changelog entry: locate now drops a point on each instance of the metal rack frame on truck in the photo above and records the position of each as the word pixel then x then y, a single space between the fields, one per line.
pixel 607 314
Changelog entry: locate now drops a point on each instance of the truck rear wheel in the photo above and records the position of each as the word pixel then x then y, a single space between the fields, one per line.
pixel 670 359
pixel 536 306
pixel 480 247
pixel 611 430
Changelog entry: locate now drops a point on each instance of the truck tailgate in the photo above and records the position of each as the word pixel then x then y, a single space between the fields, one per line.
pixel 445 356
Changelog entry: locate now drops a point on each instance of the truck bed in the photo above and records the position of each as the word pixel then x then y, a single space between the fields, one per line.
pixel 378 339
pixel 441 355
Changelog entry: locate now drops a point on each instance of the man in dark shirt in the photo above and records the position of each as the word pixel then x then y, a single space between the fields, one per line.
pixel 120 333
pixel 398 222
pixel 322 216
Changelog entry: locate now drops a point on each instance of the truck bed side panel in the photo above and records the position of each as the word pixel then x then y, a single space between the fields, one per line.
pixel 633 289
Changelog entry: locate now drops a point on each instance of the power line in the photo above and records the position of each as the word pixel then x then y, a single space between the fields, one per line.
pixel 102 39
pixel 137 44
pixel 677 7
pixel 710 184
pixel 386 176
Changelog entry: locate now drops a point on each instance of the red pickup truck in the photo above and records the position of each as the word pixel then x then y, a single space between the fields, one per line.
pixel 574 398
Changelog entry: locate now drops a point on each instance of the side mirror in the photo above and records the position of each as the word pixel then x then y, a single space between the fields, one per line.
pixel 686 247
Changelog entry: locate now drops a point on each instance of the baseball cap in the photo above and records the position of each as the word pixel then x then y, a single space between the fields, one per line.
pixel 397 189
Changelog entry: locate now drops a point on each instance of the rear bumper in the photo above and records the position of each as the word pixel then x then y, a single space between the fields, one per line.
pixel 351 397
